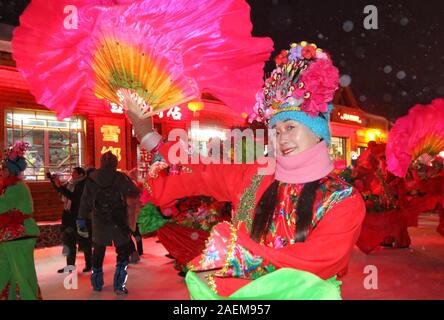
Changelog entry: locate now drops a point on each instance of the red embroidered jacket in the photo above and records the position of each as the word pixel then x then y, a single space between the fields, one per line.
pixel 338 214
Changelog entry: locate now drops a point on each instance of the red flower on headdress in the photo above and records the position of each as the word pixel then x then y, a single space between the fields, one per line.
pixel 18 150
pixel 282 57
pixel 320 82
pixel 308 52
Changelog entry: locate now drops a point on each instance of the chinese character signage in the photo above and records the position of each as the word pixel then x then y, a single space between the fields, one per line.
pixel 144 162
pixel 109 135
pixel 174 113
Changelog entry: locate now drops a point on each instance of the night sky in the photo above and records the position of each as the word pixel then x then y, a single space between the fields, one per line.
pixel 389 69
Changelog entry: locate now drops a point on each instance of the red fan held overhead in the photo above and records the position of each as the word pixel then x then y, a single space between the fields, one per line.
pixel 418 135
pixel 163 52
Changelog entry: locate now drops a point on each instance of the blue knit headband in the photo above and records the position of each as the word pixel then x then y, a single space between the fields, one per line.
pixel 319 124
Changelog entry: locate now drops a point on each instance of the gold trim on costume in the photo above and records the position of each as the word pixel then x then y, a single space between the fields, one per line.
pixel 211 282
pixel 230 250
pixel 276 111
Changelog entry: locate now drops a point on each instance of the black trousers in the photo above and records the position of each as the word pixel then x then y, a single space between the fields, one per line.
pixel 123 253
pixel 138 237
pixel 71 239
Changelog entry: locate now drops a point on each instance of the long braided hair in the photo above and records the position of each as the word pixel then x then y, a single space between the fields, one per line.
pixel 267 205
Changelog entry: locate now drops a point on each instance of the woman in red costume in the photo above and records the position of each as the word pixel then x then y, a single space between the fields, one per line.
pixel 428 188
pixel 386 220
pixel 294 227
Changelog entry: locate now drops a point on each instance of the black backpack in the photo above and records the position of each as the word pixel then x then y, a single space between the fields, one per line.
pixel 107 200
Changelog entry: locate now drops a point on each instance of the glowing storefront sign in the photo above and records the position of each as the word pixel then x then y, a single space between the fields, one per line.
pixel 173 112
pixel 114 150
pixel 351 117
pixel 110 136
pixel 110 133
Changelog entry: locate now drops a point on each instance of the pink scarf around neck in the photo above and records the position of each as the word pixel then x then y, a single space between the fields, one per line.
pixel 309 165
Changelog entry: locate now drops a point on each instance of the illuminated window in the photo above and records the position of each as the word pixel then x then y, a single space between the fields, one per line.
pixel 338 148
pixel 55 146
pixel 202 136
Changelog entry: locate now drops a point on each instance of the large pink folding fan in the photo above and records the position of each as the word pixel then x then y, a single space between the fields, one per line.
pixel 165 52
pixel 420 132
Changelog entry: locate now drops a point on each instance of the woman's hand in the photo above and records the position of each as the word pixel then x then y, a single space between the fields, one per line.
pixel 142 124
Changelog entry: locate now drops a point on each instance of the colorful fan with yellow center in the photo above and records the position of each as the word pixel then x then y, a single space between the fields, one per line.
pixel 165 52
pixel 419 133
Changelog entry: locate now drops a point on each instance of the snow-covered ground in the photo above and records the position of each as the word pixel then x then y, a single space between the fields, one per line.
pixel 414 273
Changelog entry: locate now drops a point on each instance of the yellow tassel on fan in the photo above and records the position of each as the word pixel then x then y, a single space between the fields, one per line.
pixel 118 65
pixel 432 145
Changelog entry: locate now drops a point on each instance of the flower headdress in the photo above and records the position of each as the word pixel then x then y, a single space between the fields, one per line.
pixel 304 80
pixel 18 150
pixel 14 158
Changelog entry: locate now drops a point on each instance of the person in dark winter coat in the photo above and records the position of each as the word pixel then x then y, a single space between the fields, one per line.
pixel 73 192
pixel 105 196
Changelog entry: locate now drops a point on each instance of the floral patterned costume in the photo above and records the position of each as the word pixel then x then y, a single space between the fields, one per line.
pixel 18 232
pixel 243 267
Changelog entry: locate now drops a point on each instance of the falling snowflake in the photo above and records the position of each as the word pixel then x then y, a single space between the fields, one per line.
pixel 348 26
pixel 362 98
pixel 404 93
pixel 345 80
pixel 401 75
pixel 388 69
pixel 404 21
pixel 320 36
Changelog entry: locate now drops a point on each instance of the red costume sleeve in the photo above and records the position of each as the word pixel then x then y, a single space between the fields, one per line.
pixel 328 248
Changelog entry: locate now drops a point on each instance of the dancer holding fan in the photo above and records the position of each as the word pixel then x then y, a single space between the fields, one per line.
pixel 294 230
pixel 159 53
